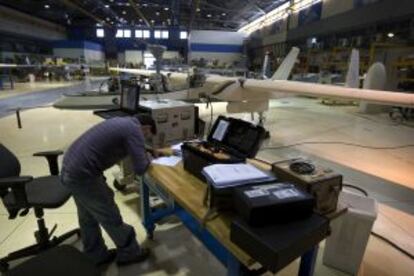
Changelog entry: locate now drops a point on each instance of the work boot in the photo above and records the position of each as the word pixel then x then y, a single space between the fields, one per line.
pixel 140 257
pixel 110 257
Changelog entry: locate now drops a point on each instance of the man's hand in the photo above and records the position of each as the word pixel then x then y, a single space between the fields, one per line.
pixel 150 157
pixel 155 153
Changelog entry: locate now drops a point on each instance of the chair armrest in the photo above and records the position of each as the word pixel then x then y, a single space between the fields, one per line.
pixel 9 182
pixel 48 153
pixel 52 159
pixel 17 186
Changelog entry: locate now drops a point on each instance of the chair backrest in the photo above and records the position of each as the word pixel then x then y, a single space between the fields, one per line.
pixel 9 164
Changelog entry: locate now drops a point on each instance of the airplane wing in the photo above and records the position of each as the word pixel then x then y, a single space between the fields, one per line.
pixel 13 65
pixel 141 72
pixel 147 73
pixel 259 90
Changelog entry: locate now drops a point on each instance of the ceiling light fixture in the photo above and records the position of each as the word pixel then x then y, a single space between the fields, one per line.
pixel 47 6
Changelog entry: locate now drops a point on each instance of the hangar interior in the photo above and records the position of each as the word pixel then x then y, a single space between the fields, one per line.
pixel 327 84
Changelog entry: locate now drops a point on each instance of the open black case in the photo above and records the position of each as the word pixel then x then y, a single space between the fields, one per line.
pixel 230 141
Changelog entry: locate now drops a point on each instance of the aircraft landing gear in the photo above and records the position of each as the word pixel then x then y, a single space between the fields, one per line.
pixel 261 123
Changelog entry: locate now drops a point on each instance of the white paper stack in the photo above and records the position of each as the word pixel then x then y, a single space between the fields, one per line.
pixel 230 175
pixel 169 161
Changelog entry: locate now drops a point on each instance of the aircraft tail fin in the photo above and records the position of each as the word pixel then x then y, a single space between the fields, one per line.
pixel 352 77
pixel 376 77
pixel 284 70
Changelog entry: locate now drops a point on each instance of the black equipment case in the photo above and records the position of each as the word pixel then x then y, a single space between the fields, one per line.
pixel 266 204
pixel 276 246
pixel 230 141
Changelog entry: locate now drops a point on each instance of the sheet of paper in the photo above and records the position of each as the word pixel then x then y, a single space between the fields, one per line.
pixel 170 161
pixel 177 147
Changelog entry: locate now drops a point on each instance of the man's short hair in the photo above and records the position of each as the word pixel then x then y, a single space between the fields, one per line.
pixel 147 120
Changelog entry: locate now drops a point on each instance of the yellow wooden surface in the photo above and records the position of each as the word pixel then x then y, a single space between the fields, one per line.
pixel 189 191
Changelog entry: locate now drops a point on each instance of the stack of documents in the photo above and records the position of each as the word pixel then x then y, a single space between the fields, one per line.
pixel 231 175
pixel 169 161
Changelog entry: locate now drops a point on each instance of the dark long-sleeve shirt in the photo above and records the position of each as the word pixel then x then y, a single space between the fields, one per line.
pixel 105 144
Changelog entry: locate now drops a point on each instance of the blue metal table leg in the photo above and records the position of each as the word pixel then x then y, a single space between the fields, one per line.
pixel 233 265
pixel 308 261
pixel 147 220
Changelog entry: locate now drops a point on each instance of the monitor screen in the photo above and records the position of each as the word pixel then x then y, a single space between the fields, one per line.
pixel 130 96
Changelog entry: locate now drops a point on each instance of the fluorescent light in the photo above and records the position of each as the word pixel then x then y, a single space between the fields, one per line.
pixel 299 5
pixel 277 14
pixel 266 19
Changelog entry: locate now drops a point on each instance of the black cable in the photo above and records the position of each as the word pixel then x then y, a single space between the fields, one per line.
pixel 339 143
pixel 402 250
pixel 364 192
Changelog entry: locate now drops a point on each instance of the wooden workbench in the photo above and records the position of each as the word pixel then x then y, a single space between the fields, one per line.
pixel 189 192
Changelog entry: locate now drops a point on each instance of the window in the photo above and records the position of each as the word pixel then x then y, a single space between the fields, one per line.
pixel 119 33
pixel 139 34
pixel 127 33
pixel 183 35
pixel 157 34
pixel 165 34
pixel 100 33
pixel 146 34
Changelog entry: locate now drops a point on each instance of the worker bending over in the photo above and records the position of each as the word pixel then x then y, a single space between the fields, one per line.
pixel 84 163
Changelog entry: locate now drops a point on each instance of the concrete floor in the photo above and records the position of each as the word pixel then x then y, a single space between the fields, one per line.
pixel 40 94
pixel 388 175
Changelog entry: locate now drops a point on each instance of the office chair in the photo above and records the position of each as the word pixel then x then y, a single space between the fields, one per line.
pixel 20 193
pixel 62 260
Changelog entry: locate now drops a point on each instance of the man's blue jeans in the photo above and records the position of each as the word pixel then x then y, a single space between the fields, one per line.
pixel 96 206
